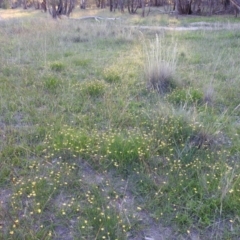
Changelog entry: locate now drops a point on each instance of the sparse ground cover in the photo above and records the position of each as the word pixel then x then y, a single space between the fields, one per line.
pixel 108 132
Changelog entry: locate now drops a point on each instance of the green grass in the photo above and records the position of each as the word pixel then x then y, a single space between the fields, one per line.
pixel 89 151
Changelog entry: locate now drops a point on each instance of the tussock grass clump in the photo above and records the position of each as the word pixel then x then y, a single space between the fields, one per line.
pixel 93 88
pixel 111 75
pixel 209 95
pixel 51 83
pixel 160 65
pixel 57 66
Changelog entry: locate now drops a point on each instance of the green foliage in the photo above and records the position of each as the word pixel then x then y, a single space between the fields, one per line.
pixel 81 62
pixel 5 173
pixel 87 158
pixel 12 152
pixel 143 186
pixel 102 219
pixel 111 75
pixel 120 150
pixel 183 220
pixel 57 66
pixel 51 83
pixel 6 71
pixel 36 136
pixel 199 194
pixel 93 88
pixel 185 96
pixel 68 54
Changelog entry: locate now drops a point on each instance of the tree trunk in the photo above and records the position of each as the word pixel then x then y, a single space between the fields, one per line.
pixel 121 5
pixel 70 7
pixel 83 4
pixel 54 12
pixel 24 4
pixel 143 7
pixel 183 7
pixel 44 5
pixel 65 6
pixel 111 5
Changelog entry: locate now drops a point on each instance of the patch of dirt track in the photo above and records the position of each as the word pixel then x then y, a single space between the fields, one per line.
pixel 195 26
pixel 191 27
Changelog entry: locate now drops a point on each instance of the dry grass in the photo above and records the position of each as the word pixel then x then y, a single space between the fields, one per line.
pixel 19 14
pixel 160 66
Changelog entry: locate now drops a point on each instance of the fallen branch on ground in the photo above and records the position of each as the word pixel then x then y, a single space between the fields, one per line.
pixel 97 18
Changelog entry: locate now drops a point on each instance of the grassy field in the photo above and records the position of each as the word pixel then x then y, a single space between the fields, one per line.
pixel 111 132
